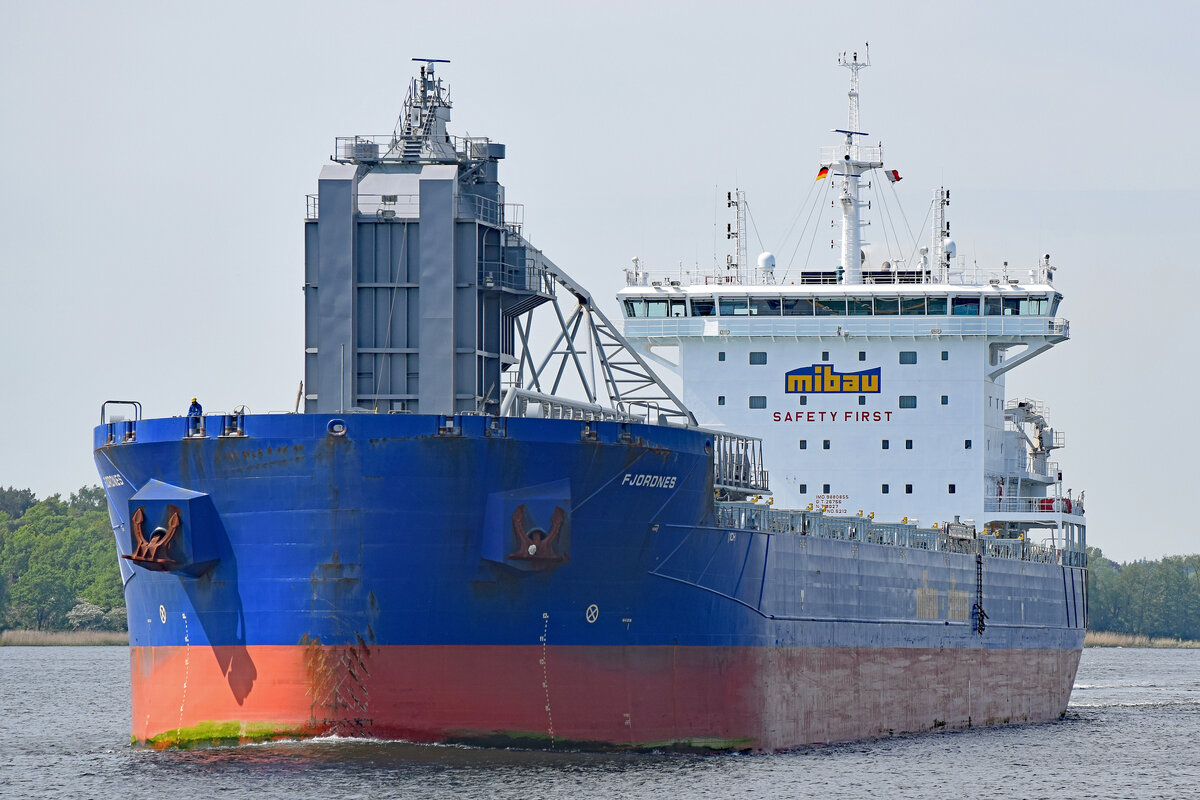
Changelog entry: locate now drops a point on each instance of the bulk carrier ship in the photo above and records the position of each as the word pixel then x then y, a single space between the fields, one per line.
pixel 465 539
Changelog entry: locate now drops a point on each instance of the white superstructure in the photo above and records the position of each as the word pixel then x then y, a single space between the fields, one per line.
pixel 875 388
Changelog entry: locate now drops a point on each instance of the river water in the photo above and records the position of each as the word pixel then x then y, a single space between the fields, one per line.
pixel 1132 731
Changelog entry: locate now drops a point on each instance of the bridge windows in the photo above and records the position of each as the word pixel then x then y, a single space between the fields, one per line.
pixel 734 307
pixel 829 306
pixel 965 307
pixel 764 306
pixel 887 306
pixel 703 307
pixel 913 306
pixel 937 306
pixel 797 307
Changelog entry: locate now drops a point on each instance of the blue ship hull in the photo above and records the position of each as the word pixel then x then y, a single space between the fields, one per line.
pixel 549 582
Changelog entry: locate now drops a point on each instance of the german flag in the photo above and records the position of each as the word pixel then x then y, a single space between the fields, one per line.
pixel 823 173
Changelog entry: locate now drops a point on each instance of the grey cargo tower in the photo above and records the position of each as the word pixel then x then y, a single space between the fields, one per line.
pixel 414 269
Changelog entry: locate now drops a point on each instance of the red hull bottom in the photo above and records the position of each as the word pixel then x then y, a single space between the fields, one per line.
pixel 682 698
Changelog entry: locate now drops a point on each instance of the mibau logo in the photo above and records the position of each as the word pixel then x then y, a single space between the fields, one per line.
pixel 823 378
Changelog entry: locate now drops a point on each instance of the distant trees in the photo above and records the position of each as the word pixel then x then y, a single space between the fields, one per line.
pixel 1148 598
pixel 58 563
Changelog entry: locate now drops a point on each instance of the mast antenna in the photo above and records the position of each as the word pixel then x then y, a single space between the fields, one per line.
pixel 854 64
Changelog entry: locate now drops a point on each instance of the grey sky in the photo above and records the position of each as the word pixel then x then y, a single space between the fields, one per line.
pixel 156 158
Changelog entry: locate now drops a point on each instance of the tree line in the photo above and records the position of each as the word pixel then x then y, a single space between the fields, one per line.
pixel 58 571
pixel 1147 598
pixel 58 562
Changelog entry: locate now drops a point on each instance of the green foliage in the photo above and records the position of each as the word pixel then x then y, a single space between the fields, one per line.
pixel 57 559
pixel 1148 598
pixel 14 501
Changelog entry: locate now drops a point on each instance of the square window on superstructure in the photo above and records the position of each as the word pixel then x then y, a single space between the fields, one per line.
pixel 862 399
pixel 720 399
pixel 908 401
pixel 883 489
pixel 758 401
pixel 825 488
pixel 965 307
pixel 908 356
pixel 885 444
pixel 950 489
pixel 945 355
pixel 825 444
pixel 797 307
pixel 945 399
pixel 804 444
pixel 733 307
pixel 908 488
pixel 824 355
pixel 758 357
pixel 804 488
pixel 887 306
pixel 862 355
pixel 908 444
pixel 720 355
pixel 803 399
pixel 966 444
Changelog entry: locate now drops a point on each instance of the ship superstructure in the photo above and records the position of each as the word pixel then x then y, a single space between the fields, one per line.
pixel 877 389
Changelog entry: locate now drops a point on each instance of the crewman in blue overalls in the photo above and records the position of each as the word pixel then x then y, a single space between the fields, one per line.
pixel 194 410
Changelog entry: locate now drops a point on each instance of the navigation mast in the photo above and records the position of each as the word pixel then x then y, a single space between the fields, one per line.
pixel 849 162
